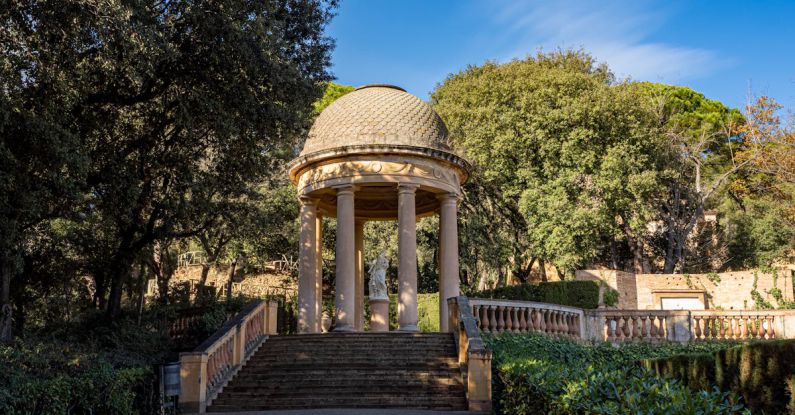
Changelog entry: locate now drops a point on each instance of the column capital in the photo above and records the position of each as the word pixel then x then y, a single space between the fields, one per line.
pixel 407 188
pixel 345 188
pixel 449 197
pixel 308 200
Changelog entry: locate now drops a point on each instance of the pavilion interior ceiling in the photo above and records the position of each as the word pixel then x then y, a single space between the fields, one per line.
pixel 377 201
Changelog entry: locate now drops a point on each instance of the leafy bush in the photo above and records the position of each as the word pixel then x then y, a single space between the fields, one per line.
pixel 762 372
pixel 538 374
pixel 583 294
pixel 55 377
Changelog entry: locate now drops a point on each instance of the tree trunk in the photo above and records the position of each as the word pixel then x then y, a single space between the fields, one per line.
pixel 639 263
pixel 120 268
pixel 232 267
pixel 542 270
pixel 7 267
pixel 141 290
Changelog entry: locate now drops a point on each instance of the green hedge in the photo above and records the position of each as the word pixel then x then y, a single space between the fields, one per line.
pixel 539 374
pixel 582 294
pixel 763 373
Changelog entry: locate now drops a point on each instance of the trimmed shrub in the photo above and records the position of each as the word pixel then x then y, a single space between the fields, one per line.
pixel 538 374
pixel 761 372
pixel 582 294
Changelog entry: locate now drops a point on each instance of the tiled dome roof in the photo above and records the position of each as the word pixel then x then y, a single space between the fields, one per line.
pixel 377 115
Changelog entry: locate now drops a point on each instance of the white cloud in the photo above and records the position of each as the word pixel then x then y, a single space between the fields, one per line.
pixel 614 32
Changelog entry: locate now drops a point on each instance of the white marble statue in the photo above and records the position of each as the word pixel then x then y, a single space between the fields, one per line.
pixel 378 268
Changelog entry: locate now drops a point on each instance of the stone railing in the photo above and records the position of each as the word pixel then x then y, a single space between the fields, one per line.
pixel 742 324
pixel 497 316
pixel 207 369
pixel 473 356
pixel 653 326
pixel 618 326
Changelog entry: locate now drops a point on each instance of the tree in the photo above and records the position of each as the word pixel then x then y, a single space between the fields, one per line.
pixel 574 154
pixel 42 164
pixel 703 158
pixel 177 105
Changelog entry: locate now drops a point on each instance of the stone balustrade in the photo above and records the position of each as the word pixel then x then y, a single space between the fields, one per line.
pixel 740 324
pixel 473 356
pixel 498 316
pixel 618 326
pixel 207 369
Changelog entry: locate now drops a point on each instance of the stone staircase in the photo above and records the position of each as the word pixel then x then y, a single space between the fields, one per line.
pixel 348 370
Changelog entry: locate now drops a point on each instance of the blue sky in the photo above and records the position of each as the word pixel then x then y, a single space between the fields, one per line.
pixel 719 48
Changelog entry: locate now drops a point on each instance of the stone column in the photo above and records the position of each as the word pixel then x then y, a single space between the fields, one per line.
pixel 407 253
pixel 319 272
pixel 345 259
pixel 307 295
pixel 359 297
pixel 448 255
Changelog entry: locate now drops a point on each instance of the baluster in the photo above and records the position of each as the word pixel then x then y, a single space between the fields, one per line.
pixel 493 323
pixel 721 327
pixel 476 313
pixel 522 321
pixel 743 328
pixel 761 329
pixel 532 324
pixel 619 328
pixel 625 330
pixel 500 319
pixel 771 334
pixel 644 327
pixel 484 319
pixel 546 325
pixel 569 317
pixel 556 324
pixel 508 319
pixel 697 327
pixel 563 327
pixel 730 330
pixel 609 331
pixel 518 323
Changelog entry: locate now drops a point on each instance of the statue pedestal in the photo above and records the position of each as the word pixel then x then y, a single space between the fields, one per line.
pixel 379 314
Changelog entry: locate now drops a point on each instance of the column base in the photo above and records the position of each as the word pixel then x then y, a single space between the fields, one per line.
pixel 343 329
pixel 379 314
pixel 411 328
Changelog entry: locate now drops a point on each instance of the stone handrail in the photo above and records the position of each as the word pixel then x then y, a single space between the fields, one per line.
pixel 207 369
pixel 498 316
pixel 473 356
pixel 618 326
pixel 742 324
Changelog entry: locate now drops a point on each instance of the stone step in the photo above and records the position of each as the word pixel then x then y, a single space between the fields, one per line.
pixel 374 401
pixel 342 361
pixel 348 370
pixel 253 391
pixel 286 375
pixel 407 381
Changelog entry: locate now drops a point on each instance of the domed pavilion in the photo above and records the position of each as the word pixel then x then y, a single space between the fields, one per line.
pixel 376 153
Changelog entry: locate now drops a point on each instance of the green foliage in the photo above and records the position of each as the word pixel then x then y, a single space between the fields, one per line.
pixel 610 297
pixel 89 366
pixel 760 372
pixel 554 140
pixel 179 108
pixel 332 93
pixel 541 374
pixel 583 294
